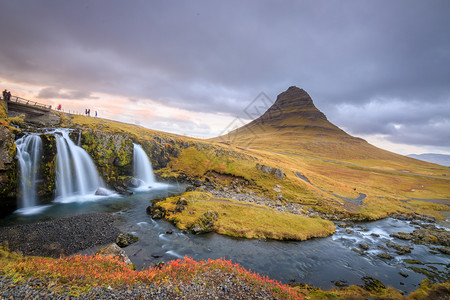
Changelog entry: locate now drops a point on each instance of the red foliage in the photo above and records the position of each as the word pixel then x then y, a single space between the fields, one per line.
pixel 89 271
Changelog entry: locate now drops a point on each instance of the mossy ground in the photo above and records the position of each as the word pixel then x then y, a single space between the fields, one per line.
pixel 247 220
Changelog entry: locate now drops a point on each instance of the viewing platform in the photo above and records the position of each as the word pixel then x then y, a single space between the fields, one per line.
pixel 31 111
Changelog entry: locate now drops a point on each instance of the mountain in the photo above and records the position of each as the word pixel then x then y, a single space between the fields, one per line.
pixel 294 124
pixel 440 159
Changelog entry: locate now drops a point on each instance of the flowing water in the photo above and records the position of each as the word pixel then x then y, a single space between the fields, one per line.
pixel 143 171
pixel 77 178
pixel 29 149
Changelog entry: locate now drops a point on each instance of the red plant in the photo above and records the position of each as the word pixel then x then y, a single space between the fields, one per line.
pixel 84 272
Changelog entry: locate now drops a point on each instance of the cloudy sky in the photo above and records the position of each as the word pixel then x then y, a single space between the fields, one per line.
pixel 378 69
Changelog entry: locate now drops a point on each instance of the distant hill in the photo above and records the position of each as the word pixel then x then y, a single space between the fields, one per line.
pixel 440 159
pixel 294 124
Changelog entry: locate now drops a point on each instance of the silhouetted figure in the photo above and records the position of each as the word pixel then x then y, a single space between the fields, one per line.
pixel 4 94
pixel 96 114
pixel 8 96
pixel 89 112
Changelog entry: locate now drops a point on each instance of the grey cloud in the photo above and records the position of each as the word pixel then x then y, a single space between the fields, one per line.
pixel 50 93
pixel 217 56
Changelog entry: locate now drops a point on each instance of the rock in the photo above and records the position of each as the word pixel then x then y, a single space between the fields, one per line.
pixel 375 234
pixel 385 256
pixel 156 212
pixel 400 248
pixel 363 246
pixel 170 231
pixel 123 191
pixel 402 236
pixel 372 284
pixel 205 223
pixel 126 239
pixel 115 251
pixel 134 182
pixel 403 274
pixel 102 192
pixel 445 250
pixel 278 173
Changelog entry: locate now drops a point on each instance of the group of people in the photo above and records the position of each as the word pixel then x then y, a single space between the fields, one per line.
pixel 87 112
pixel 6 95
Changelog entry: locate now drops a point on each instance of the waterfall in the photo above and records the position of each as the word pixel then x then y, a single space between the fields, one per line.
pixel 29 149
pixel 143 170
pixel 76 174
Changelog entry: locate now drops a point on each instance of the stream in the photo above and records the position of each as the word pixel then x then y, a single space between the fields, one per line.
pixel 318 262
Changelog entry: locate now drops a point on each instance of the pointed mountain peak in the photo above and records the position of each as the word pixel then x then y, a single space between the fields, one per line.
pixel 293 105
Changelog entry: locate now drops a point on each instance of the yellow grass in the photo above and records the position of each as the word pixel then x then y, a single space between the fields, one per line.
pixel 247 220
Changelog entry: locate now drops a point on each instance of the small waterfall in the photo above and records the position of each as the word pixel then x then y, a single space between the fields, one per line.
pixel 29 149
pixel 76 174
pixel 143 170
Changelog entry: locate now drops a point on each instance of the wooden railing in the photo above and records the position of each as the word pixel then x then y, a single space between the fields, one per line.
pixel 29 102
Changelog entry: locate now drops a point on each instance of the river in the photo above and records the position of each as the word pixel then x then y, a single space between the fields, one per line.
pixel 318 262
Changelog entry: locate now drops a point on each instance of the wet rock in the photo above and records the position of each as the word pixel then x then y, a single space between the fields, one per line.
pixel 372 284
pixel 123 191
pixel 375 234
pixel 102 192
pixel 401 249
pixel 134 182
pixel 115 251
pixel 170 231
pixel 363 246
pixel 402 236
pixel 385 256
pixel 126 239
pixel 358 251
pixel 403 274
pixel 436 236
pixel 445 250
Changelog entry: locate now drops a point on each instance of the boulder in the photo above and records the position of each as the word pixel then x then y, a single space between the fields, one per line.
pixel 113 250
pixel 205 223
pixel 126 239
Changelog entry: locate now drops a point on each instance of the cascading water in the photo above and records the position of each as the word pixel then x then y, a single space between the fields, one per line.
pixel 29 149
pixel 76 174
pixel 143 171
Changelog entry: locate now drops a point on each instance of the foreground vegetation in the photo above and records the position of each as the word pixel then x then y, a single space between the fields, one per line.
pixel 77 275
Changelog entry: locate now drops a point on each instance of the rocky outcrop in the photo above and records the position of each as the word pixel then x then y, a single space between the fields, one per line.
pixel 278 173
pixel 205 223
pixel 8 171
pixel 126 239
pixel 47 184
pixel 113 153
pixel 113 250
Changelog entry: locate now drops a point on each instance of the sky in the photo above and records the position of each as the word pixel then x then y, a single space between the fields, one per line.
pixel 380 69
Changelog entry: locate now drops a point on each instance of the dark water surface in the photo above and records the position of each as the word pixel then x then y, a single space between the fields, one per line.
pixel 318 262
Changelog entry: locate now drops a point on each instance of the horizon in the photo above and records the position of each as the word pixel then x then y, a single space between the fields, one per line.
pixel 191 71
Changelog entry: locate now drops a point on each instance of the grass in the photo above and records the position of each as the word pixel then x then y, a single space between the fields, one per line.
pixel 247 220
